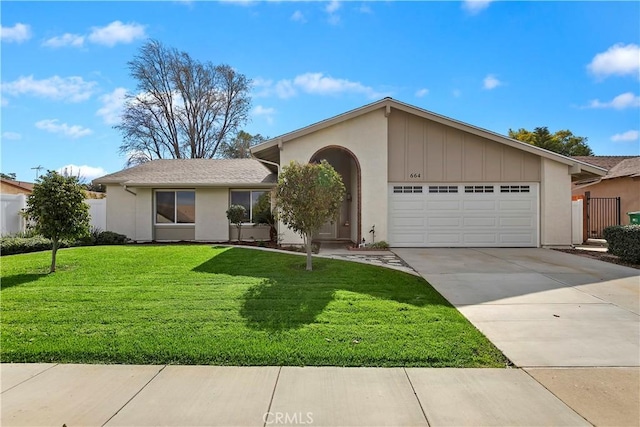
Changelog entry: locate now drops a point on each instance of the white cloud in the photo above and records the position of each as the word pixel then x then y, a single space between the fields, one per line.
pixel 4 101
pixel 620 102
pixel 11 136
pixel 331 8
pixel 319 84
pixel 266 112
pixel 298 17
pixel 53 126
pixel 364 8
pixel 476 6
pixel 314 84
pixel 117 32
pixel 84 171
pixel 618 60
pixel 422 92
pixel 491 82
pixel 112 103
pixel 16 34
pixel 630 135
pixel 72 89
pixel 67 39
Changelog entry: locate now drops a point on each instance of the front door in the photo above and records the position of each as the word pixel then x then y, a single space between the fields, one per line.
pixel 329 231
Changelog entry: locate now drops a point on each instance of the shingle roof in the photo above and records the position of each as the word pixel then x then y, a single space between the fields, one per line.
pixel 28 186
pixel 193 172
pixel 606 162
pixel 629 167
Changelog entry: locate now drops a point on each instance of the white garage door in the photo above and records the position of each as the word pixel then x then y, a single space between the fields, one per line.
pixel 463 215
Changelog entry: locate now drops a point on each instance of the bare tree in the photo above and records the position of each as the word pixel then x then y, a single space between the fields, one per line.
pixel 183 108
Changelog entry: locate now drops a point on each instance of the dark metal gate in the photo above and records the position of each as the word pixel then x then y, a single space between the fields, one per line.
pixel 601 213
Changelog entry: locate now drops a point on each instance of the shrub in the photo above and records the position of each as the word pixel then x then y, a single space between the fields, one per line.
pixel 23 245
pixel 624 242
pixel 90 239
pixel 379 245
pixel 110 238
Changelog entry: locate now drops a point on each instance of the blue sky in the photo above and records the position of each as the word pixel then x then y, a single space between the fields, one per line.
pixel 496 65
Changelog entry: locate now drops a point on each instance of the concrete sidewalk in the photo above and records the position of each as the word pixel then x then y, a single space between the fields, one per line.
pixel 121 395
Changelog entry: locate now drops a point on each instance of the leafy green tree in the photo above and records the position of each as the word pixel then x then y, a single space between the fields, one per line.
pixel 236 214
pixel 307 196
pixel 562 142
pixel 238 147
pixel 57 208
pixel 11 176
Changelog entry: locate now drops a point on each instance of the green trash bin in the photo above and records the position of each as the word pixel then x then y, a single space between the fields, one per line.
pixel 634 218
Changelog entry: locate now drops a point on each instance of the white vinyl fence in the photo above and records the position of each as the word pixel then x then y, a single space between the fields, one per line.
pixel 577 237
pixel 12 205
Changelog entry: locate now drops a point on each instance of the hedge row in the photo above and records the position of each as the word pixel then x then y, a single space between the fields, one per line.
pixel 624 242
pixel 22 245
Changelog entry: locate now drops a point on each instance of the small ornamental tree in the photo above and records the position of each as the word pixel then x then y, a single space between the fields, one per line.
pixel 236 215
pixel 307 196
pixel 57 208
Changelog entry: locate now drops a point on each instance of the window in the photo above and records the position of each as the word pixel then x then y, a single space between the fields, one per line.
pixel 443 189
pixel 248 199
pixel 407 189
pixel 514 189
pixel 175 207
pixel 478 188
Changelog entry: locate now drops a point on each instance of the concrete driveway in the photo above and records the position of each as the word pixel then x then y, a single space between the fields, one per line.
pixel 572 323
pixel 541 307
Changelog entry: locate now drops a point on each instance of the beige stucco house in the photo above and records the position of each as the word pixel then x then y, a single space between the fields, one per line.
pixel 418 178
pixel 622 180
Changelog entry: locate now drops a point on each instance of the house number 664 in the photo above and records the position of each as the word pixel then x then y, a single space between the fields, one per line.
pixel 414 175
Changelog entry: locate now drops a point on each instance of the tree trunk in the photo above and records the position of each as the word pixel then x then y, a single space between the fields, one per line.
pixel 308 242
pixel 239 233
pixel 54 251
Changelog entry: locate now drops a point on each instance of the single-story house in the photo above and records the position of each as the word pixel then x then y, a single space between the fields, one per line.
pixel 418 178
pixel 10 186
pixel 622 180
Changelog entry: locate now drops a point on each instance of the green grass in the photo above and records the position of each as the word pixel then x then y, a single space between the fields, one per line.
pixel 227 306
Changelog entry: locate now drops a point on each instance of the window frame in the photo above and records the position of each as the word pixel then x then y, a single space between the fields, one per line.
pixel 175 192
pixel 250 191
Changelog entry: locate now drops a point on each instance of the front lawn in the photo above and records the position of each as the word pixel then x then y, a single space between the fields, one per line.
pixel 196 304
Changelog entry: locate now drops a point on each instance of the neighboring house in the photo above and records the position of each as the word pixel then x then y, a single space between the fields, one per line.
pixel 9 186
pixel 622 180
pixel 421 179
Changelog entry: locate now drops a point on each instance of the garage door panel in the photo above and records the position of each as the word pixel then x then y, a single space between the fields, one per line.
pixel 444 238
pixel 409 222
pixel 516 222
pixel 442 205
pixel 482 215
pixel 479 222
pixel 516 239
pixel 479 205
pixel 416 239
pixel 443 222
pixel 516 205
pixel 482 239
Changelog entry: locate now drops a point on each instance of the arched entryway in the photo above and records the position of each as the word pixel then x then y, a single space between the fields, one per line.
pixel 348 227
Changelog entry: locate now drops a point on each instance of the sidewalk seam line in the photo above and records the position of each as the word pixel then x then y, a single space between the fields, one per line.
pixel 134 396
pixel 424 413
pixel 557 397
pixel 30 378
pixel 265 417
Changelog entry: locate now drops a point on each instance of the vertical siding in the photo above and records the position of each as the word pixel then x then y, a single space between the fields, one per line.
pixel 425 151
